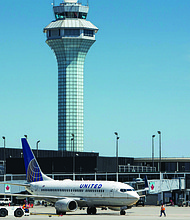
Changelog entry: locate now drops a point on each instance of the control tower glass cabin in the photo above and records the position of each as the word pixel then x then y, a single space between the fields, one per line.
pixel 70 36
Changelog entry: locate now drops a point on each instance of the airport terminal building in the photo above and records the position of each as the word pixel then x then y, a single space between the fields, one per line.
pixel 172 182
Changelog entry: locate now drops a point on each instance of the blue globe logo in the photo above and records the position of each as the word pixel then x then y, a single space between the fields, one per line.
pixel 34 172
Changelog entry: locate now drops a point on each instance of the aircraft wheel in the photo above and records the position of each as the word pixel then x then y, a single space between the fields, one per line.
pixel 88 210
pixel 122 212
pixel 93 210
pixel 60 212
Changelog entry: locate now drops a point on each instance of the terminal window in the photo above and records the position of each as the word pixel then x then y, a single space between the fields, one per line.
pixel 72 32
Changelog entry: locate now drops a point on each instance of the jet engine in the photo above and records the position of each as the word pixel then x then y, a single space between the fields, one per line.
pixel 66 205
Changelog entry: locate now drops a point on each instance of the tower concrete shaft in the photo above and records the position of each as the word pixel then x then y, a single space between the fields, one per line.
pixel 70 36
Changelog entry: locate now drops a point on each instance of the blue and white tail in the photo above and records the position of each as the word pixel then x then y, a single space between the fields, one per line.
pixel 33 171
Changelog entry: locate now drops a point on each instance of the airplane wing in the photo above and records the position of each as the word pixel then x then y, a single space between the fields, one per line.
pixel 41 197
pixel 16 184
pixel 142 190
pixel 32 196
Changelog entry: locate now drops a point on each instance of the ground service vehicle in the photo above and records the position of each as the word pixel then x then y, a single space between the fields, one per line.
pixel 11 210
pixel 5 201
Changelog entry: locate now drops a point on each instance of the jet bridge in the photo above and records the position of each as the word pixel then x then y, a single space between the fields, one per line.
pixel 165 191
pixel 164 185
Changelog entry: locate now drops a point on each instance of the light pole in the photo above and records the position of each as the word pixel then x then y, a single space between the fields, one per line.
pixel 4 161
pixel 160 150
pixel 117 139
pixel 4 157
pixel 160 165
pixel 37 147
pixel 72 139
pixel 153 136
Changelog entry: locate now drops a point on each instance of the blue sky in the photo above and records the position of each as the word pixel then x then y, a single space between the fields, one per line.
pixel 136 78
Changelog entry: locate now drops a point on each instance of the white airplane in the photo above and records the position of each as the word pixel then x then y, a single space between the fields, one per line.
pixel 68 195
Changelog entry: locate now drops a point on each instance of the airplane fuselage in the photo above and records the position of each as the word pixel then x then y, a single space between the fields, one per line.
pixel 87 193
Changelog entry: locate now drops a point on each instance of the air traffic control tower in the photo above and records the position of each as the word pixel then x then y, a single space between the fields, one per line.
pixel 70 36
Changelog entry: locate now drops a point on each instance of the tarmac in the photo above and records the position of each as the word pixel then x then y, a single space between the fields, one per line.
pixel 144 213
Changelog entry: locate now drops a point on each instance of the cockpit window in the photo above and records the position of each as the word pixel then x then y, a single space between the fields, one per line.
pixel 126 190
pixel 65 15
pixel 123 190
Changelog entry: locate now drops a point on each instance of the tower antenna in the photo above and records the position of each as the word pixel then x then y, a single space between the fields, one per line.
pixel 87 3
pixel 53 3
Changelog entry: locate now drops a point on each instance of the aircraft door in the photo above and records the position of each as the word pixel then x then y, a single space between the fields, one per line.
pixel 35 189
pixel 112 192
pixel 72 192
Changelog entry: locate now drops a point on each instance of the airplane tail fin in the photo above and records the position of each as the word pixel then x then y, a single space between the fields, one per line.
pixel 146 186
pixel 146 181
pixel 33 171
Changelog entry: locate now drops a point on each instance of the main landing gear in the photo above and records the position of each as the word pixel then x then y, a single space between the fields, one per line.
pixel 91 210
pixel 60 212
pixel 122 212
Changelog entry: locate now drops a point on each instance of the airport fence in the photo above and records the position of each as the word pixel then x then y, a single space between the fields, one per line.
pixel 135 169
pixel 123 177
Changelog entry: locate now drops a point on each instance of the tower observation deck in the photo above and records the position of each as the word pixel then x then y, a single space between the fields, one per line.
pixel 70 36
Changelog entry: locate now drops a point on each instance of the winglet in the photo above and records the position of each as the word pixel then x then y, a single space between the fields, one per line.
pixel 33 171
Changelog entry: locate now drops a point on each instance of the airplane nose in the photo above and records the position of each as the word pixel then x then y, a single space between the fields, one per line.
pixel 136 197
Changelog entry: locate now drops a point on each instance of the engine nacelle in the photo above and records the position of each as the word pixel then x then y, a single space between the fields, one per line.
pixel 66 205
